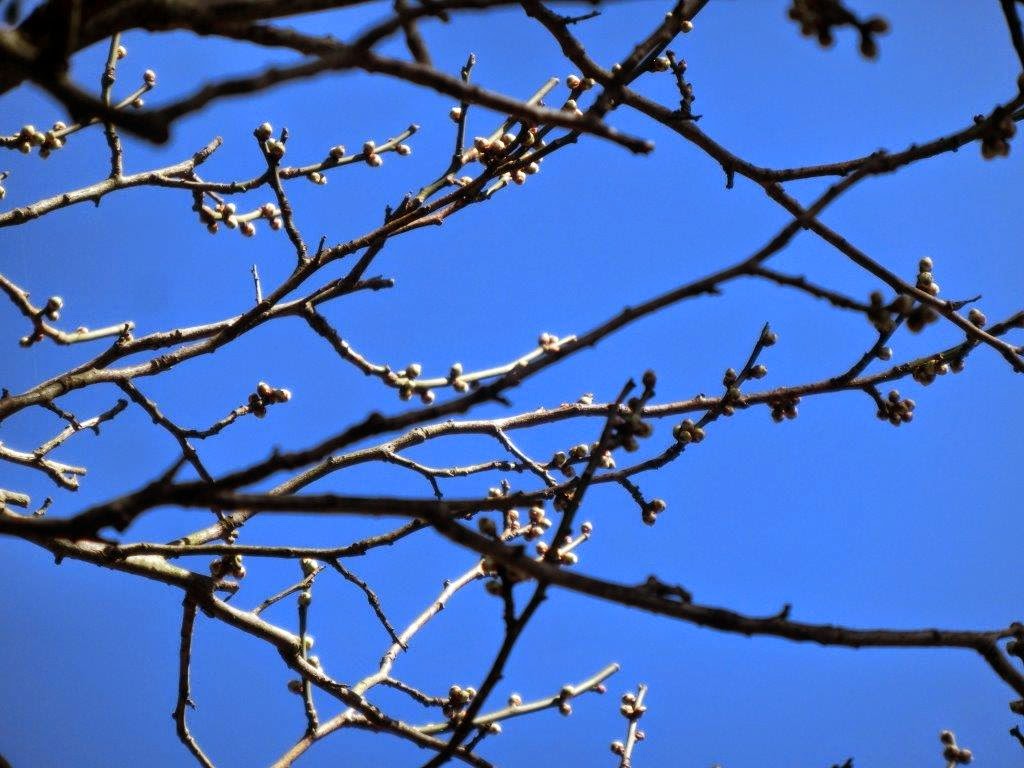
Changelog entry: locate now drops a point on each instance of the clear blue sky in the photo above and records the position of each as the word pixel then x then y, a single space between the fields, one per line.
pixel 848 519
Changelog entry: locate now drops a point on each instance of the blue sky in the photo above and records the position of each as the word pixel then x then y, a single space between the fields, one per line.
pixel 848 519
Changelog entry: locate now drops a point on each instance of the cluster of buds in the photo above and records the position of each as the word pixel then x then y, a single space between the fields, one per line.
pixel 627 427
pixel 406 388
pixel 572 108
pixel 652 509
pixel 733 398
pixel 925 279
pixel 492 151
pixel 548 342
pixel 564 696
pixel 458 699
pixel 539 523
pixel 951 751
pixel 564 550
pixel 458 383
pixel 227 565
pixel 493 585
pixel 881 314
pixel 270 212
pixel 563 460
pixel 687 432
pixel 243 222
pixel 819 17
pixel 47 141
pixel 919 317
pixel 370 154
pixel 896 410
pixel 511 521
pixel 495 151
pixel 784 408
pixel 998 128
pixel 579 84
pixel 264 396
pixel 927 372
pixel 518 176
pixel 631 708
pixel 274 147
pixel 50 311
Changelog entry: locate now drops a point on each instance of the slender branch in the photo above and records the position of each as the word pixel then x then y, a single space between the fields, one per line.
pixel 371 598
pixel 185 702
